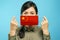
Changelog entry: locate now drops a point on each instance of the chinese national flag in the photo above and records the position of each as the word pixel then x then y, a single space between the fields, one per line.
pixel 29 20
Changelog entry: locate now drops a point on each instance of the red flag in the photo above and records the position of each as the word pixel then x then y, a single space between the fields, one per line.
pixel 29 20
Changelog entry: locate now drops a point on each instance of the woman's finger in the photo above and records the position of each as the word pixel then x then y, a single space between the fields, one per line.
pixel 44 18
pixel 13 18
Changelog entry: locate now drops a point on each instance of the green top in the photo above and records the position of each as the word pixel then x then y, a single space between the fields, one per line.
pixel 37 34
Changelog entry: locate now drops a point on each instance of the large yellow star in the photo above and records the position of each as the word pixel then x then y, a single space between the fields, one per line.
pixel 23 18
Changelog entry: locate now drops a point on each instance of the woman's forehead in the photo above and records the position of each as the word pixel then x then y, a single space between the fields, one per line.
pixel 31 9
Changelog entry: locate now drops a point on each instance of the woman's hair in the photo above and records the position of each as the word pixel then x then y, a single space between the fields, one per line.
pixel 22 32
pixel 27 5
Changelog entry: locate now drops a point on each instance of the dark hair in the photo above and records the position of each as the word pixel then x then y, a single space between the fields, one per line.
pixel 22 32
pixel 27 5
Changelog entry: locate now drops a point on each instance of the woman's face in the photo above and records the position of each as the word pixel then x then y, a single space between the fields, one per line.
pixel 29 12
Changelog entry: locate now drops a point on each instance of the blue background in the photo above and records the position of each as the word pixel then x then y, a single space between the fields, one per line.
pixel 48 8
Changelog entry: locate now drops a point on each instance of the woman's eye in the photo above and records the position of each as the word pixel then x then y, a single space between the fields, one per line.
pixel 32 13
pixel 25 13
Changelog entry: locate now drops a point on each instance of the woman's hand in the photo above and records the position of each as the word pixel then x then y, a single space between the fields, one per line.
pixel 13 26
pixel 44 25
